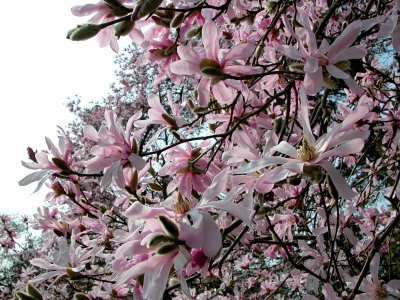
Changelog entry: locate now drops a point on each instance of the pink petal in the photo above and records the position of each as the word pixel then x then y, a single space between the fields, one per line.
pixel 354 52
pixel 273 176
pixel 217 186
pixel 137 162
pixel 187 53
pixel 222 93
pixel 336 72
pixel 239 70
pixel 240 51
pixel 184 67
pixel 261 163
pixel 291 52
pixel 311 65
pixel 238 211
pixel 210 39
pixel 341 185
pixel 346 39
pixel 139 211
pixel 285 148
pixel 313 82
pixel 305 118
pixel 354 117
pixel 344 149
pixel 387 27
pixel 203 90
pixel 396 38
pixel 91 133
pixel 143 267
pixel 374 269
pixel 355 88
pixel 212 236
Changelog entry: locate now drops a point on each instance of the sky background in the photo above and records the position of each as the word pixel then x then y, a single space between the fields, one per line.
pixel 39 70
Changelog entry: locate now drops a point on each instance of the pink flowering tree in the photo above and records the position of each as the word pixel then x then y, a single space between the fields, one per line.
pixel 248 150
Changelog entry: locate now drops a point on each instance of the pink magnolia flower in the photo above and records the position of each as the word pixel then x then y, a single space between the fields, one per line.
pixel 67 261
pixel 213 68
pixel 161 51
pixel 339 141
pixel 189 175
pixel 104 12
pixel 114 150
pixel 373 288
pixel 158 115
pixel 62 162
pixel 326 57
pixel 391 26
pixel 153 247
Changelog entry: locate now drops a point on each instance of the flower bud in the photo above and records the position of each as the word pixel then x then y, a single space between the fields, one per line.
pixel 297 67
pixel 24 296
pixel 117 8
pixel 169 226
pixel 208 63
pixel 164 22
pixel 84 32
pixel 155 187
pixel 176 135
pixel 278 125
pixel 73 275
pixel 170 50
pixel 32 154
pixel 166 249
pixel 33 292
pixel 147 7
pixel 177 20
pixel 80 296
pixel 272 7
pixel 61 164
pixel 259 50
pixel 123 28
pixel 170 120
pixel 133 181
pixel 194 32
pixel 134 146
pixel 314 173
pixel 159 239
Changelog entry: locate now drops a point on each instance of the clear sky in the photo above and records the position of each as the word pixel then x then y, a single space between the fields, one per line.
pixel 39 70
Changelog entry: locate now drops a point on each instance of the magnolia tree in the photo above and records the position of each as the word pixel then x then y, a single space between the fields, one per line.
pixel 251 151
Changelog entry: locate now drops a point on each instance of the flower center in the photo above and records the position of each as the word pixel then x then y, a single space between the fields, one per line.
pixel 306 151
pixel 381 293
pixel 181 205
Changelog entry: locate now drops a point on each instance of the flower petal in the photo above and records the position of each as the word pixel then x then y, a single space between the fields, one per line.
pixel 210 39
pixel 341 185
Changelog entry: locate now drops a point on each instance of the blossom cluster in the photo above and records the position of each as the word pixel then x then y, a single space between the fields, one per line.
pixel 276 175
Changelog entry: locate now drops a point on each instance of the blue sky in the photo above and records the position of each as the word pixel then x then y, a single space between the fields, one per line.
pixel 39 70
